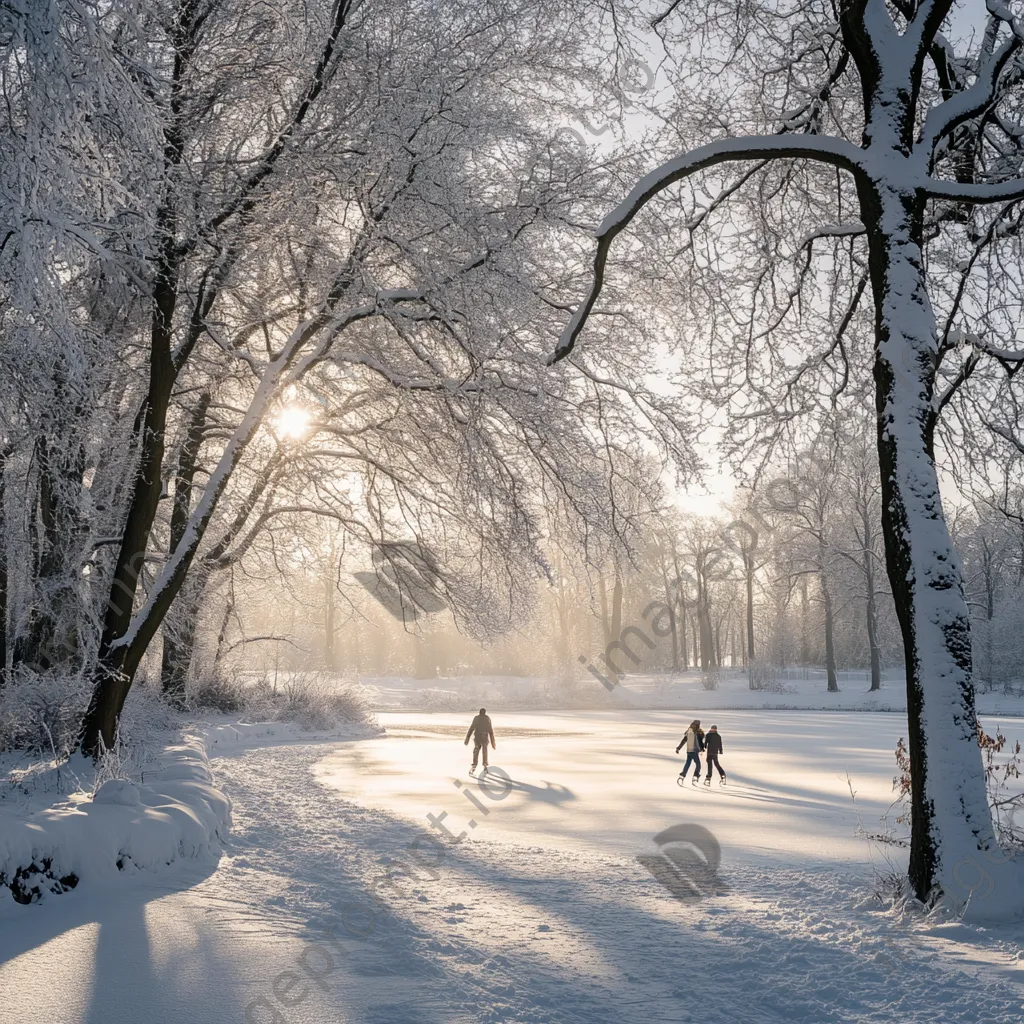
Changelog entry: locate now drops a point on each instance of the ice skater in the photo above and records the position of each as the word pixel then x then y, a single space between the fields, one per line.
pixel 481 731
pixel 694 741
pixel 713 747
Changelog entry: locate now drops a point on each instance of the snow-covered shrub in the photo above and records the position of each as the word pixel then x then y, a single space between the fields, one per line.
pixel 174 813
pixel 41 712
pixel 314 700
pixel 308 703
pixel 435 699
pixel 259 698
pixel 762 675
pixel 145 712
pixel 892 888
pixel 114 765
pixel 709 679
pixel 315 703
pixel 218 693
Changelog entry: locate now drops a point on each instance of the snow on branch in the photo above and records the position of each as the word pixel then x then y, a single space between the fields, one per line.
pixel 882 33
pixel 924 24
pixel 962 106
pixel 1007 355
pixel 180 559
pixel 851 230
pixel 833 151
pixel 994 192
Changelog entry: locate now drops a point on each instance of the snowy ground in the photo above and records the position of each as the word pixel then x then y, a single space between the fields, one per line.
pixel 796 689
pixel 543 913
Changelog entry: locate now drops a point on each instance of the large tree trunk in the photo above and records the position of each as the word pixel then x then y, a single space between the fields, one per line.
pixel 124 640
pixel 951 822
pixel 704 621
pixel 749 569
pixel 112 679
pixel 805 623
pixel 872 606
pixel 670 602
pixel 4 455
pixel 830 644
pixel 179 642
pixel 120 655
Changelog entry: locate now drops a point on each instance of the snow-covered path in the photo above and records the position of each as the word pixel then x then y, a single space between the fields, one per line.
pixel 542 914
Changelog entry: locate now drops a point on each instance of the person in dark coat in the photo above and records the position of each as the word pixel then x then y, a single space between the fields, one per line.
pixel 481 731
pixel 713 747
pixel 694 741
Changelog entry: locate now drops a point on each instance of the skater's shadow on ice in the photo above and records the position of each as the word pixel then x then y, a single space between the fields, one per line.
pixel 634 755
pixel 549 793
pixel 782 795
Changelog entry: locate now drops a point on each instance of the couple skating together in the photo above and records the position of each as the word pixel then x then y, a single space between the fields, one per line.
pixel 696 742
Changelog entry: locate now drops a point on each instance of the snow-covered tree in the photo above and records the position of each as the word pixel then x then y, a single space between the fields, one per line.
pixel 863 147
pixel 262 269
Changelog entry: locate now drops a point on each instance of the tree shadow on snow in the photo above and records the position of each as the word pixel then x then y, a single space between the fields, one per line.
pixel 788 962
pixel 120 976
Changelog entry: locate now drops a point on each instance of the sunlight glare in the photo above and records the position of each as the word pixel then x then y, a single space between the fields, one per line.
pixel 292 422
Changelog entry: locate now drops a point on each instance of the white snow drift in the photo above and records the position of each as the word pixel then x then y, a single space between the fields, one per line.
pixel 176 814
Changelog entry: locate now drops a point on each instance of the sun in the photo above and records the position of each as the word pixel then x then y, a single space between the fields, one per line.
pixel 292 422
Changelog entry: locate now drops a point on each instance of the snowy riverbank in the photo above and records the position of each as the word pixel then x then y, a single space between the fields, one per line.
pixel 62 825
pixel 796 689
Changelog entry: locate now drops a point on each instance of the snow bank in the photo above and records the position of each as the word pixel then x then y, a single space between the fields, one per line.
pixel 176 813
pixel 796 690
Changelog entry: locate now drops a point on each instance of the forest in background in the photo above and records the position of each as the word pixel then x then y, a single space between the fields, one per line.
pixel 789 576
